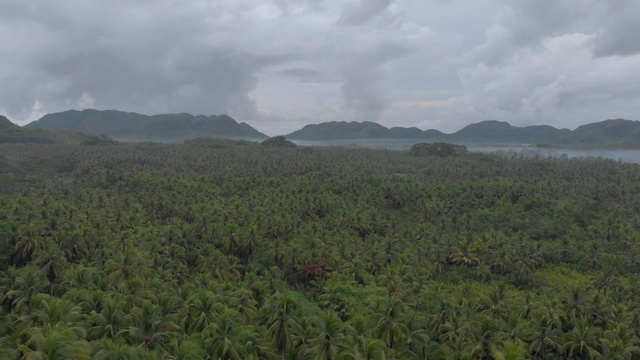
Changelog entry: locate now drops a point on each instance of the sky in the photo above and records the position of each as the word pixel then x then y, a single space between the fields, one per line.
pixel 281 64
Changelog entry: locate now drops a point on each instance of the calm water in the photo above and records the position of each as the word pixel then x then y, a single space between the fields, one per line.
pixel 627 156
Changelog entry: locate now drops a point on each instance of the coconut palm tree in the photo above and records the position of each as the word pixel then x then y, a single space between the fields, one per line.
pixel 108 322
pixel 511 350
pixel 30 240
pixel 546 338
pixel 56 342
pixel 148 330
pixel 190 349
pixel 107 349
pixel 225 337
pixel 391 325
pixel 331 341
pixel 279 311
pixel 619 343
pixel 485 338
pixel 51 261
pixel 582 341
pixel 463 255
pixel 27 283
pixel 370 349
pixel 494 304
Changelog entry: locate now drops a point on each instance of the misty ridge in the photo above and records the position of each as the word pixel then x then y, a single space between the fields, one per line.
pixel 612 139
pixel 128 126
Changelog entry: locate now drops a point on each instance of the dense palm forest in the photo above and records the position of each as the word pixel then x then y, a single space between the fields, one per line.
pixel 216 249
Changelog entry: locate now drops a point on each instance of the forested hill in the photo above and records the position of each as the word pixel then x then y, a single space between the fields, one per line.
pixel 133 126
pixel 11 133
pixel 339 130
pixel 617 132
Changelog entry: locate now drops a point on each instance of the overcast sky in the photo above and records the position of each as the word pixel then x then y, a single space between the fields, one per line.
pixel 280 64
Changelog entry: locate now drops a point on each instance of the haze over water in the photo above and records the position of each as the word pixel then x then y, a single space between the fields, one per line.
pixel 631 156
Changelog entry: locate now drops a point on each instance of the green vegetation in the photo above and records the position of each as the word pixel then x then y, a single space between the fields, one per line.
pixel 13 134
pixel 335 130
pixel 99 140
pixel 278 141
pixel 215 249
pixel 437 149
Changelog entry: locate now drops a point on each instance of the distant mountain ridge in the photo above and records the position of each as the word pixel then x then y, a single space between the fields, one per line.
pixel 133 126
pixel 353 130
pixel 609 132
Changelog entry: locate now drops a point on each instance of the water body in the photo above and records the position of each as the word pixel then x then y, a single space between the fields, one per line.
pixel 526 150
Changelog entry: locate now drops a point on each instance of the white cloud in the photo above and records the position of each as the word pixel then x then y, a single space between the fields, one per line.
pixel 36 111
pixel 86 101
pixel 545 65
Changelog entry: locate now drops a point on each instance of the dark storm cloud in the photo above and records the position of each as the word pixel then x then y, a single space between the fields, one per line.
pixel 215 81
pixel 125 57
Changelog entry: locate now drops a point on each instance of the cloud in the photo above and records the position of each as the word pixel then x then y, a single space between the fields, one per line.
pixel 358 14
pixel 366 84
pixel 279 64
pixel 127 55
pixel 524 24
pixel 355 61
pixel 619 31
pixel 202 56
pixel 36 110
pixel 86 101
pixel 549 64
pixel 422 104
pixel 365 91
pixel 299 72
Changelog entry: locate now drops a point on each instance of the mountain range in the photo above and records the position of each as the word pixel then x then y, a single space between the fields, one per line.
pixel 176 127
pixel 616 132
pixel 121 125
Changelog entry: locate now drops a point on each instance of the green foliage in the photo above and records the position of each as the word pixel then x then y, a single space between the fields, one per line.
pixel 437 149
pixel 100 140
pixel 6 244
pixel 278 141
pixel 215 143
pixel 12 134
pixel 220 249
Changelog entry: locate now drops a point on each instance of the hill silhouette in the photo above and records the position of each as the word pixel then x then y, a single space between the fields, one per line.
pixel 618 132
pixel 177 127
pixel 339 130
pixel 133 126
